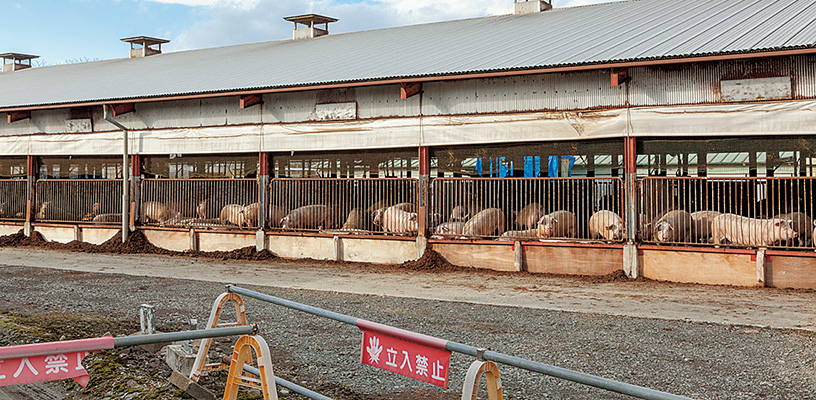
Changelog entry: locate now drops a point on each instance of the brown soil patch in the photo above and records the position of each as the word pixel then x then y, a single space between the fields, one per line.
pixel 137 243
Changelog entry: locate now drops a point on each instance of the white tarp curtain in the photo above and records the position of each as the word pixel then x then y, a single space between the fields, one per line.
pixel 777 118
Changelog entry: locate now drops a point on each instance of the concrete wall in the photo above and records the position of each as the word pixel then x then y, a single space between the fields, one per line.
pixel 712 268
pixel 786 270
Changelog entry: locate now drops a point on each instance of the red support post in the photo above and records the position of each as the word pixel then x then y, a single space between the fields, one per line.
pixel 31 170
pixel 630 186
pixel 424 183
pixel 264 159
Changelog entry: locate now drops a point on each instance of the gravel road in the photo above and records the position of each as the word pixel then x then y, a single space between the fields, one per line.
pixel 702 360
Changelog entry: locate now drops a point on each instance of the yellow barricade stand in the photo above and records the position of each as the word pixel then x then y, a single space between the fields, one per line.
pixel 242 353
pixel 200 367
pixel 491 373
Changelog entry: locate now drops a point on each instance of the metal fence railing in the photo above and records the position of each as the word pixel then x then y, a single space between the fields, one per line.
pixel 13 199
pixel 465 349
pixel 736 212
pixel 79 200
pixel 199 203
pixel 344 205
pixel 528 208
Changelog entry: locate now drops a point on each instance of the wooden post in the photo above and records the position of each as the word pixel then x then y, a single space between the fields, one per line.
pixel 31 170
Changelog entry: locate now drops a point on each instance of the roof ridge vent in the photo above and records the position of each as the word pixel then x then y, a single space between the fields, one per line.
pixel 144 46
pixel 16 61
pixel 531 6
pixel 310 28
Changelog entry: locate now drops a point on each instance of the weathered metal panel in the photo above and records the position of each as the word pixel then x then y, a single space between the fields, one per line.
pixel 452 97
pixel 756 89
pixel 214 111
pixel 288 107
pixel 78 125
pixel 677 84
pixel 238 116
pixel 335 111
pixel 581 90
pixel 168 114
pixel 804 77
pixel 384 101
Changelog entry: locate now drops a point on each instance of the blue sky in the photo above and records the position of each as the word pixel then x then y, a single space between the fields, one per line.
pixel 77 30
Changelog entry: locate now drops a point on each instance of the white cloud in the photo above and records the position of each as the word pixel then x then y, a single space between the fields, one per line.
pixel 227 22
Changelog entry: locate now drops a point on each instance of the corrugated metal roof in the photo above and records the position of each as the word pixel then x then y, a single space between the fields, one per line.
pixel 609 32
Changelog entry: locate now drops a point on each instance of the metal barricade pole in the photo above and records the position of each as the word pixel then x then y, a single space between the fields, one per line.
pixel 562 373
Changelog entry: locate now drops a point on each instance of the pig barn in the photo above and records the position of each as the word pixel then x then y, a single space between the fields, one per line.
pixel 672 140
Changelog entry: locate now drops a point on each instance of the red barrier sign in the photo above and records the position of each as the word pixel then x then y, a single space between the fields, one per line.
pixel 44 368
pixel 40 362
pixel 424 363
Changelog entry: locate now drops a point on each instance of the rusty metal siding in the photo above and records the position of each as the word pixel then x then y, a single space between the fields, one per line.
pixel 804 77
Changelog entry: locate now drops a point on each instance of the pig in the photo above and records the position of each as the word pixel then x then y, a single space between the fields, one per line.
pixel 516 235
pixel 557 224
pixel 744 231
pixel 315 216
pixel 96 209
pixel 462 213
pixel 408 207
pixel 107 218
pixel 813 234
pixel 156 211
pixel 674 226
pixel 376 206
pixel 529 216
pixel 802 224
pixel 701 225
pixel 448 230
pixel 395 220
pixel 276 214
pixel 355 220
pixel 607 225
pixel 207 209
pixel 12 209
pixel 49 211
pixel 232 214
pixel 487 222
pixel 251 213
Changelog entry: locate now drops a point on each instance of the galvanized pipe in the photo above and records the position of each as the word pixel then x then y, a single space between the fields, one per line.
pixel 125 173
pixel 283 382
pixel 184 335
pixel 579 377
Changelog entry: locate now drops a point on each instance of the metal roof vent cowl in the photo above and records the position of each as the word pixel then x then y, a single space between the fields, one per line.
pixel 143 46
pixel 531 6
pixel 16 61
pixel 310 28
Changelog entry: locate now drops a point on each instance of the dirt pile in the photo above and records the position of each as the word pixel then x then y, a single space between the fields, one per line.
pixel 431 261
pixel 20 239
